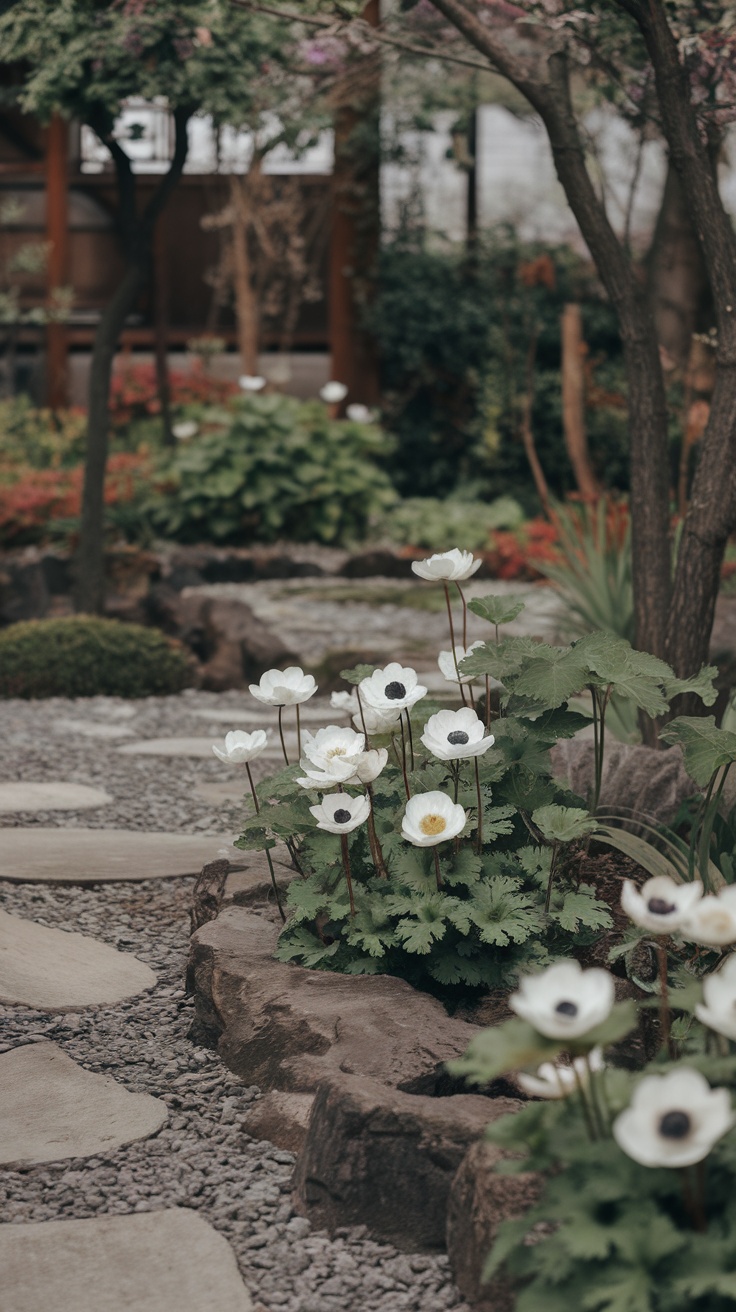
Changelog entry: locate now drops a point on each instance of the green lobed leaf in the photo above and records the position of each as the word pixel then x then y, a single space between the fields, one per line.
pixel 563 824
pixel 497 610
pixel 705 748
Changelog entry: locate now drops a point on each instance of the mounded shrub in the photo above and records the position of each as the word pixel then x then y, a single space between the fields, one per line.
pixel 84 656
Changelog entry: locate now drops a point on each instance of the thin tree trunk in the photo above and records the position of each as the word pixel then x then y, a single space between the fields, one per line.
pixel 678 280
pixel 573 402
pixel 161 331
pixel 246 302
pixel 527 431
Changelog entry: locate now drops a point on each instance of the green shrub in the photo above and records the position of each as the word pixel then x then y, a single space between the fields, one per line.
pixel 270 466
pixel 441 525
pixel 84 656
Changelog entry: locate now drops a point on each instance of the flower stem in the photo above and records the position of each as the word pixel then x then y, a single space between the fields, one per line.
pixel 298 733
pixel 403 759
pixel 694 1201
pixel 268 854
pixel 664 1001
pixel 594 1102
pixel 456 778
pixel 589 1124
pixel 437 871
pixel 479 847
pixel 362 715
pixel 346 868
pixel 550 881
pixel 411 737
pixel 465 617
pixel 281 734
pixel 488 703
pixel 374 841
pixel 452 643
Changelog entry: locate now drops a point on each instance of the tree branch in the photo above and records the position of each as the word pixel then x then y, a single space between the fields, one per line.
pixel 169 180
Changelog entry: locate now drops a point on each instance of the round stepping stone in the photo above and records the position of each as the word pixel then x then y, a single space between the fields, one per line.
pixel 23 796
pixel 266 716
pixel 91 729
pixel 51 1108
pixel 168 1261
pixel 94 856
pixel 56 970
pixel 196 747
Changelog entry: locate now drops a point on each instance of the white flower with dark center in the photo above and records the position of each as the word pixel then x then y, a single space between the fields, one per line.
pixel 395 688
pixel 660 905
pixel 359 414
pixel 333 393
pixel 340 813
pixel 452 566
pixel 673 1119
pixel 564 1001
pixel 446 662
pixel 185 429
pixel 712 920
pixel 454 735
pixel 287 687
pixel 251 382
pixel 553 1080
pixel 377 721
pixel 345 701
pixel 718 1008
pixel 431 818
pixel 241 747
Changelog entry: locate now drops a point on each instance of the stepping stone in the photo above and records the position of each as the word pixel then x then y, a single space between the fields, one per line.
pixel 91 729
pixel 51 1108
pixel 56 970
pixel 265 716
pixel 23 796
pixel 223 794
pixel 168 1261
pixel 94 856
pixel 196 747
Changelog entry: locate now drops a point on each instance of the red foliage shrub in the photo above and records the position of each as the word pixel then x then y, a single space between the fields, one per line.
pixel 30 499
pixel 515 553
pixel 134 394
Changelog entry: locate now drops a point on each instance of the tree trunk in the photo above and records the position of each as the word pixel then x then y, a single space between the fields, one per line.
pixel 678 280
pixel 573 402
pixel 246 302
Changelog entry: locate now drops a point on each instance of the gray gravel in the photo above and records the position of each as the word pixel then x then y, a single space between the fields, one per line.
pixel 202 1158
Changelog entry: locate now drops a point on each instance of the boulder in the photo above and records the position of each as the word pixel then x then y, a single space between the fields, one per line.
pixel 284 1027
pixel 637 781
pixel 281 1118
pixel 234 646
pixel 378 1157
pixel 479 1200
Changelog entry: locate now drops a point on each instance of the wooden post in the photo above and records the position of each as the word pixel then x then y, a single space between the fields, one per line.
pixel 161 325
pixel 573 402
pixel 355 227
pixel 57 235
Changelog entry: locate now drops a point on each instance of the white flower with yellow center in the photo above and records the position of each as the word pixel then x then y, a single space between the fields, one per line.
pixel 447 566
pixel 712 920
pixel 564 1001
pixel 431 818
pixel 718 1008
pixel 241 747
pixel 333 744
pixel 660 905
pixel 446 662
pixel 333 393
pixel 394 688
pixel 340 813
pixel 455 735
pixel 673 1120
pixel 553 1080
pixel 287 687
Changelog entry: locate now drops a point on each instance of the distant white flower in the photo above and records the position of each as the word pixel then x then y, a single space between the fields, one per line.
pixel 446 662
pixel 394 688
pixel 241 746
pixel 454 566
pixel 673 1119
pixel 564 1001
pixel 185 429
pixel 251 382
pixel 333 393
pixel 431 818
pixel 340 813
pixel 553 1080
pixel 344 770
pixel 454 735
pixel 359 414
pixel 345 701
pixel 712 920
pixel 377 721
pixel 286 687
pixel 718 1009
pixel 661 905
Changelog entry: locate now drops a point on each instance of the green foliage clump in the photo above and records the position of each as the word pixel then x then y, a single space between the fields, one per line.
pixel 44 439
pixel 84 656
pixel 270 467
pixel 442 525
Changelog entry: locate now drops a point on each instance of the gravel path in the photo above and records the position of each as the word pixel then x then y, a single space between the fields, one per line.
pixel 202 1158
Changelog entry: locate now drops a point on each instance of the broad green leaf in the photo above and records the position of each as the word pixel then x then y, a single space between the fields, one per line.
pixel 702 684
pixel 358 673
pixel 513 1046
pixel 497 610
pixel 552 680
pixel 563 824
pixel 581 910
pixel 705 748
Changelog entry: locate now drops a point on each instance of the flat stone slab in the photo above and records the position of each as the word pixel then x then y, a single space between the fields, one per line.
pixel 21 796
pixel 262 716
pixel 197 747
pixel 56 970
pixel 222 794
pixel 94 856
pixel 51 1108
pixel 91 729
pixel 168 1261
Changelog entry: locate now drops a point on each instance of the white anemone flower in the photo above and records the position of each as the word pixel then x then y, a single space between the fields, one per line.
pixel 712 920
pixel 339 770
pixel 185 429
pixel 718 1009
pixel 359 414
pixel 454 735
pixel 333 744
pixel 370 765
pixel 431 818
pixel 241 746
pixel 394 688
pixel 674 1119
pixel 251 382
pixel 564 1001
pixel 377 721
pixel 446 662
pixel 287 687
pixel 345 701
pixel 340 813
pixel 447 566
pixel 660 905
pixel 333 393
pixel 553 1080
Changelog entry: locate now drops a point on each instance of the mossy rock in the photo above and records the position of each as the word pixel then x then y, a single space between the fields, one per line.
pixel 84 656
